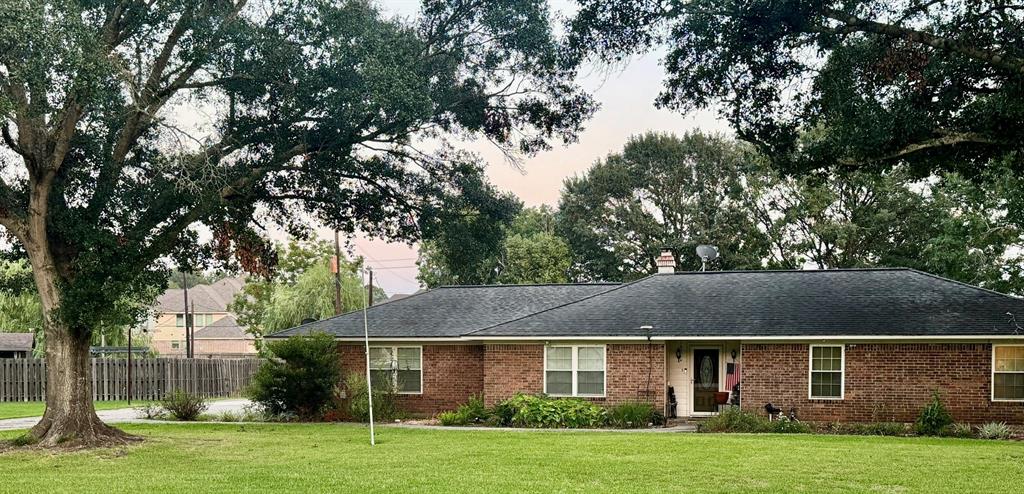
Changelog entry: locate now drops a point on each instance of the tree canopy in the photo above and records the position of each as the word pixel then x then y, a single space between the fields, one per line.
pixel 522 249
pixel 127 124
pixel 933 84
pixel 664 191
pixel 302 287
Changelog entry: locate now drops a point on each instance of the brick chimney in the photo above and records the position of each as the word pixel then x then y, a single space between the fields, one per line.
pixel 666 262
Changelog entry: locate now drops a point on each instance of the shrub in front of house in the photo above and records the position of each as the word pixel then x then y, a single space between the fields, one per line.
pixel 733 419
pixel 182 405
pixel 864 429
pixel 568 413
pixel 786 425
pixel 934 419
pixel 502 414
pixel 994 430
pixel 299 379
pixel 385 400
pixel 634 415
pixel 538 411
pixel 961 430
pixel 470 413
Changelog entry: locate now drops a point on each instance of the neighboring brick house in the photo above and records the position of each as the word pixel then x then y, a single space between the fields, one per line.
pixel 217 333
pixel 835 345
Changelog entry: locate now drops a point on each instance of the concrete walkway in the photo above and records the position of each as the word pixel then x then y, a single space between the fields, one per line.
pixel 129 415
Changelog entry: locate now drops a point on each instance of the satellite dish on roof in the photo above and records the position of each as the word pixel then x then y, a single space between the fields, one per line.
pixel 706 253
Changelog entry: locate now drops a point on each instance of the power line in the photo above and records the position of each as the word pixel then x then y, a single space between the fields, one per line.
pixel 395 274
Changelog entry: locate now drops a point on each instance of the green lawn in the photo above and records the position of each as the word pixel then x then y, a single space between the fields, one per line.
pixel 13 410
pixel 337 458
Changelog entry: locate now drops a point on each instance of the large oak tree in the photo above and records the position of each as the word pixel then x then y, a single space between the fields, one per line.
pixel 127 123
pixel 936 84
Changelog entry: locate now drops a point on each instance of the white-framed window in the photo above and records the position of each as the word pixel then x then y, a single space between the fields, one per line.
pixel 1007 372
pixel 574 370
pixel 179 320
pixel 397 366
pixel 175 344
pixel 827 368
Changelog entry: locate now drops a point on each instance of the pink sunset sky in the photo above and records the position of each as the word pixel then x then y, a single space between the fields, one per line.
pixel 626 95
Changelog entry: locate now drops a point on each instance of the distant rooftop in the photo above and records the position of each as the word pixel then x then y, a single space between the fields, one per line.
pixel 226 327
pixel 214 297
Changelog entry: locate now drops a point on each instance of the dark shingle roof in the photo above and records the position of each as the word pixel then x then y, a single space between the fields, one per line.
pixel 857 302
pixel 450 311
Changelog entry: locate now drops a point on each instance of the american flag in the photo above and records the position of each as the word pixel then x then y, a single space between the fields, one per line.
pixel 732 379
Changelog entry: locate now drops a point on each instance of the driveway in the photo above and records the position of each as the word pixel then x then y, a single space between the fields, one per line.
pixel 127 415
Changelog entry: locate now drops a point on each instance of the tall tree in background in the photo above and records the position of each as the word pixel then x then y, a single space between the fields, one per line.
pixel 534 253
pixel 302 287
pixel 313 109
pixel 947 225
pixel 936 84
pixel 677 192
pixel 662 191
pixel 465 249
pixel 525 249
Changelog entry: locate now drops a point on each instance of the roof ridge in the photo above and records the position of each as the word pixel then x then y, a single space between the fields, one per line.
pixel 795 271
pixel 514 285
pixel 588 297
pixel 968 285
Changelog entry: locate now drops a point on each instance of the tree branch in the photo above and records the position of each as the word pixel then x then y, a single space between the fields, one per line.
pixel 939 142
pixel 853 23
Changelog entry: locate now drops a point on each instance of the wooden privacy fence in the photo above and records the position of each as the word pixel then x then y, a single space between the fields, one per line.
pixel 152 378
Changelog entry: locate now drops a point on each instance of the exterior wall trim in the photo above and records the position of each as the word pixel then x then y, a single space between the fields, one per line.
pixel 462 340
pixel 767 339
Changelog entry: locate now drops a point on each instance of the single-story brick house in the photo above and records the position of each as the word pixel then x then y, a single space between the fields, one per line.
pixel 836 345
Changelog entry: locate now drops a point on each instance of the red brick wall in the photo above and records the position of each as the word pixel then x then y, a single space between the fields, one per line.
pixel 511 369
pixel 884 382
pixel 451 374
pixel 519 368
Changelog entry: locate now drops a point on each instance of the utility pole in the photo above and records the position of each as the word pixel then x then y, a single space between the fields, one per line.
pixel 337 274
pixel 369 287
pixel 184 285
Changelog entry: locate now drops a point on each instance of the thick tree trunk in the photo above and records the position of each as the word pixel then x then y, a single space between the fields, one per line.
pixel 70 418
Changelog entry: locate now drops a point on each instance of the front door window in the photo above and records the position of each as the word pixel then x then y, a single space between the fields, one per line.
pixel 705 382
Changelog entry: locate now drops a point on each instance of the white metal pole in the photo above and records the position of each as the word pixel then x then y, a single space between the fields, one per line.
pixel 369 384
